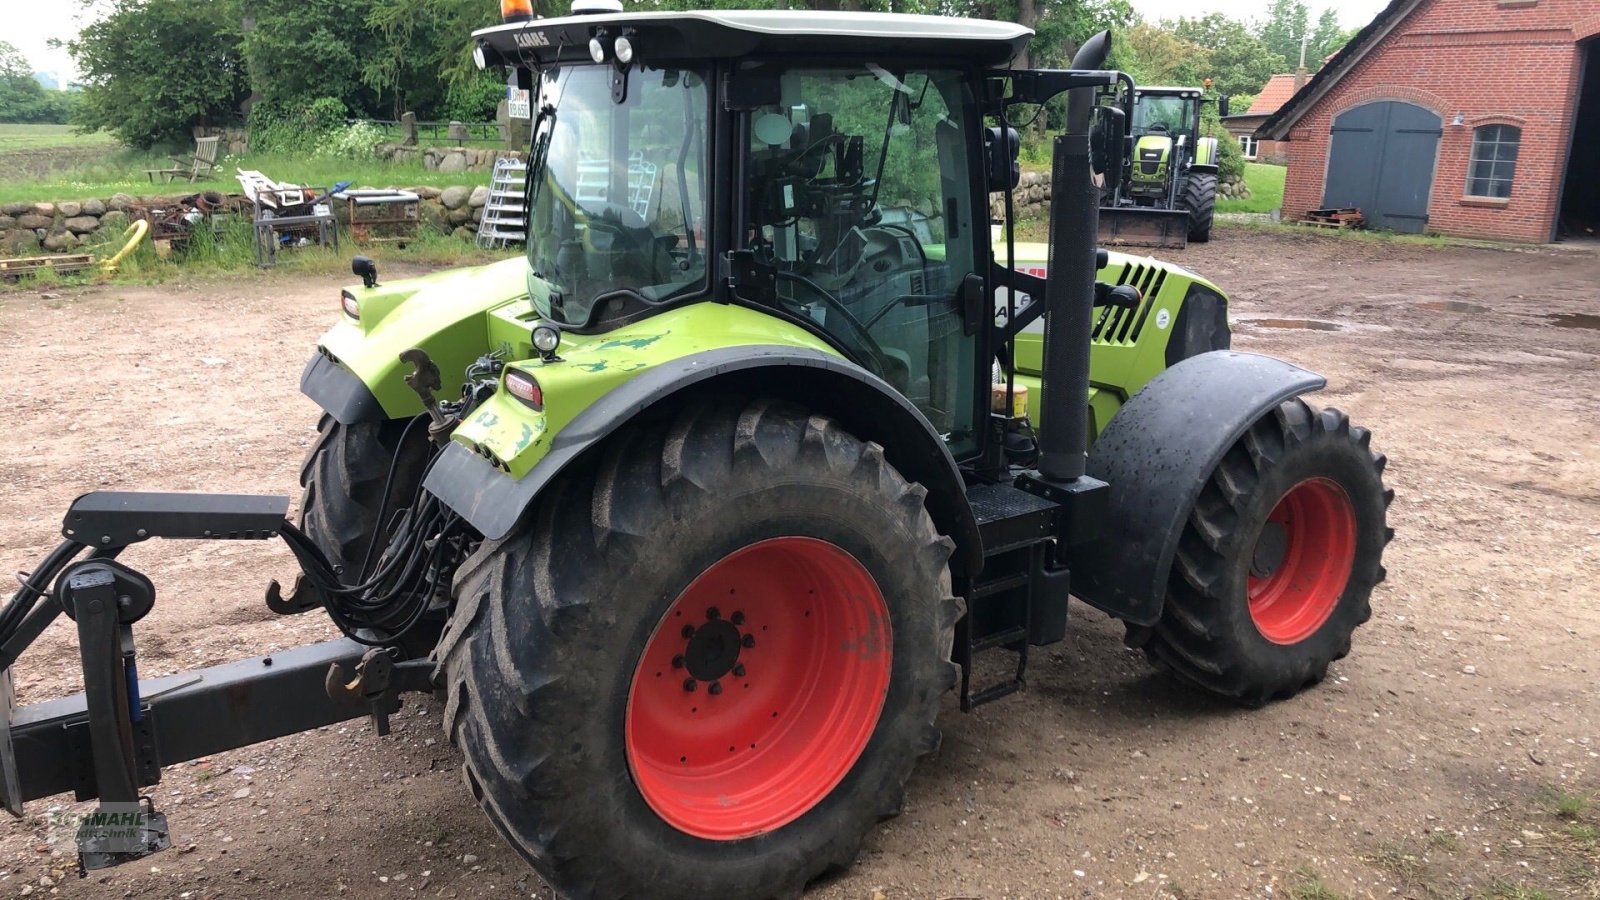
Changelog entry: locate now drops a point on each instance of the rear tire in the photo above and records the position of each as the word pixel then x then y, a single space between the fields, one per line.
pixel 686 549
pixel 1278 559
pixel 1200 199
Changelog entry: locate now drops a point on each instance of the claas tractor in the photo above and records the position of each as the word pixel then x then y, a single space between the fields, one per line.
pixel 694 515
pixel 1168 194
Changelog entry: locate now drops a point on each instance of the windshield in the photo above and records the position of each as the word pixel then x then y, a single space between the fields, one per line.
pixel 1169 114
pixel 617 190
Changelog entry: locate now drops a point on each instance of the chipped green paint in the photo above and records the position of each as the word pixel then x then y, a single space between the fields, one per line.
pixel 528 433
pixel 598 365
pixel 487 419
pixel 633 343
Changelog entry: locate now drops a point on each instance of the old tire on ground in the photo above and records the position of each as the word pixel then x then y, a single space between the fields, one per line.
pixel 1200 199
pixel 1277 560
pixel 705 664
pixel 343 480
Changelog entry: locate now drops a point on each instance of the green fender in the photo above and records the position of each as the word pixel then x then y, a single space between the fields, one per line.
pixel 1205 155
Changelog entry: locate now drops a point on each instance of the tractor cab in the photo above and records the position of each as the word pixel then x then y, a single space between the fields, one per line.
pixel 1166 123
pixel 847 202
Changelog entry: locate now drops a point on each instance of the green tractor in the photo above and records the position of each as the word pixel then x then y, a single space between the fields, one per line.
pixel 694 515
pixel 1168 195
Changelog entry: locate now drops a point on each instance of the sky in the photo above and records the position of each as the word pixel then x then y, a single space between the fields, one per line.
pixel 30 24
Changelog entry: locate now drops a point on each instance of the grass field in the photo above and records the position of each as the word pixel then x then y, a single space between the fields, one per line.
pixel 49 137
pixel 51 162
pixel 1266 190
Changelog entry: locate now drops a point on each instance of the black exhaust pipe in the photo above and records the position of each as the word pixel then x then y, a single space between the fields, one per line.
pixel 1069 292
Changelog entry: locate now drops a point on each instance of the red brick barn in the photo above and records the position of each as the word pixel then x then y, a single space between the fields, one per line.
pixel 1467 117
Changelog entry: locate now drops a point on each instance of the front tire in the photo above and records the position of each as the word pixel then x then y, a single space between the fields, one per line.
pixel 707 663
pixel 1278 559
pixel 343 480
pixel 1200 199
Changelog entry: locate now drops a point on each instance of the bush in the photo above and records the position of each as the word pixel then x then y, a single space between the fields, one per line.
pixel 358 141
pixel 291 128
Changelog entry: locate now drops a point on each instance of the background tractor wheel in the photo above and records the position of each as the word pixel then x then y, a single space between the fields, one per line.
pixel 1278 559
pixel 343 478
pixel 1200 199
pixel 706 664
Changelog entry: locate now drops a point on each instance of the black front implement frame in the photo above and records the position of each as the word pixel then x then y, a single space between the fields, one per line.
pixel 113 739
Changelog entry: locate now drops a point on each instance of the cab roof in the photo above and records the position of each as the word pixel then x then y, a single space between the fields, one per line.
pixel 703 34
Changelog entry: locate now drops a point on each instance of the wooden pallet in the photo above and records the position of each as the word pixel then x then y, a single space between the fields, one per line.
pixel 32 265
pixel 1349 217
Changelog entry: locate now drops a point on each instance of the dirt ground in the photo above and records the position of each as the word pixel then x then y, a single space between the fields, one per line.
pixel 1455 753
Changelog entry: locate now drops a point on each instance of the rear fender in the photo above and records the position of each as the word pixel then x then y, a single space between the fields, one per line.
pixel 1205 155
pixel 488 497
pixel 1157 453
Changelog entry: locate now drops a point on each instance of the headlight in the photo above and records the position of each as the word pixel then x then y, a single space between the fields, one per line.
pixel 597 50
pixel 624 48
pixel 478 58
pixel 546 338
pixel 522 386
pixel 352 306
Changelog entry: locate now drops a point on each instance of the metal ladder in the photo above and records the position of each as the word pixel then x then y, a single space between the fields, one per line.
pixel 505 216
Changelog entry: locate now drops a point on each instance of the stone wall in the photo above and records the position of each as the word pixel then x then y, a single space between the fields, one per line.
pixel 235 138
pixel 448 159
pixel 1031 200
pixel 29 229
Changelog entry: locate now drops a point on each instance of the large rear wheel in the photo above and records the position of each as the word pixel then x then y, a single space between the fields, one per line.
pixel 708 661
pixel 1278 559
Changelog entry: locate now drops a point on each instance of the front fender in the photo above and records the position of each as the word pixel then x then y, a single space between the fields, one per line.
pixel 444 314
pixel 1156 454
pixel 466 480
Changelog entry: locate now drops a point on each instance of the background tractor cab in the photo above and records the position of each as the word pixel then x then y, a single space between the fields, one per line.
pixel 1168 196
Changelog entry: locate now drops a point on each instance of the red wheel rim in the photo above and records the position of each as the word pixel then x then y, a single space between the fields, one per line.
pixel 1302 561
pixel 759 688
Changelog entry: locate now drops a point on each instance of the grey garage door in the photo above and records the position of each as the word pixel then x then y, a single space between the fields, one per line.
pixel 1382 161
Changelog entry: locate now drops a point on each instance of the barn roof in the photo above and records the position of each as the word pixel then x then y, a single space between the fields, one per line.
pixel 1276 128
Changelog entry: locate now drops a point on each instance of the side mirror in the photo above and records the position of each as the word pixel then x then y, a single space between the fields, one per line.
pixel 1004 149
pixel 1107 143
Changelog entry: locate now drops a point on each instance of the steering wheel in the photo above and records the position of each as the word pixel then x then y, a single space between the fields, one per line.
pixel 832 303
pixel 624 228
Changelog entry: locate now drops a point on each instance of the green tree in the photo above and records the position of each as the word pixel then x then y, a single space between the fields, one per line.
pixel 1287 22
pixel 301 50
pixel 22 99
pixel 152 69
pixel 1239 62
pixel 1154 55
pixel 1326 39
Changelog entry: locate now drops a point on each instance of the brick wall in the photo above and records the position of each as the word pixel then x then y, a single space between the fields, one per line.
pixel 1492 61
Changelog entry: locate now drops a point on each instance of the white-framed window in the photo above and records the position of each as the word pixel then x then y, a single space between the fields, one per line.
pixel 1494 161
pixel 1248 145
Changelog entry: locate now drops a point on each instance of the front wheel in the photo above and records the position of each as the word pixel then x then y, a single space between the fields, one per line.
pixel 1200 199
pixel 1278 559
pixel 707 663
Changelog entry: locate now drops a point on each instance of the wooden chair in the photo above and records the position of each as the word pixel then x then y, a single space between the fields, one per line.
pixel 199 165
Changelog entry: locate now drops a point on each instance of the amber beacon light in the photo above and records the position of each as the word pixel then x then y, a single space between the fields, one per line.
pixel 516 10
